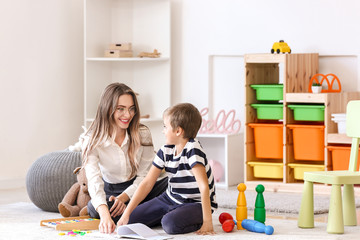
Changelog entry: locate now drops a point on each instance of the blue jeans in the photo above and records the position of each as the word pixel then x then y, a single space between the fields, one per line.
pixel 175 218
pixel 116 189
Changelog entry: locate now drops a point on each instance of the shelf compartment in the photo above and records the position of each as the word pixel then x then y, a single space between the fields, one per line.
pixel 267 170
pixel 268 140
pixel 299 169
pixel 308 142
pixel 340 156
pixel 308 112
pixel 268 92
pixel 268 111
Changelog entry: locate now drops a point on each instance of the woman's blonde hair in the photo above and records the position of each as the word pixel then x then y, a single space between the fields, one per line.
pixel 103 127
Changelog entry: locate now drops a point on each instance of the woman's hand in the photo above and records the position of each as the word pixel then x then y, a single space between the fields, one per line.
pixel 106 225
pixel 118 207
pixel 206 228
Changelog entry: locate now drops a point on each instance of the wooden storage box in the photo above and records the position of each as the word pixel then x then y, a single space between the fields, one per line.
pixel 267 170
pixel 120 46
pixel 118 53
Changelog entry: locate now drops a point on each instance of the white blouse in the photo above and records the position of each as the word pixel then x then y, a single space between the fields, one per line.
pixel 111 163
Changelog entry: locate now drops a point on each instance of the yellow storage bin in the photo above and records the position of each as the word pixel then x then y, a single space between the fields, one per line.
pixel 299 169
pixel 267 170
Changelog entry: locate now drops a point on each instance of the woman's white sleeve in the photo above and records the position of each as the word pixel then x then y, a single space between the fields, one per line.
pixel 95 181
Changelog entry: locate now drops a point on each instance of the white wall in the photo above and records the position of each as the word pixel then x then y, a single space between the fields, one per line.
pixel 41 68
pixel 236 27
pixel 41 79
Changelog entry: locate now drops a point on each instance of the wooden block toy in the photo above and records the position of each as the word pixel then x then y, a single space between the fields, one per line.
pixel 70 223
pixel 154 54
pixel 120 46
pixel 255 226
pixel 241 206
pixel 118 53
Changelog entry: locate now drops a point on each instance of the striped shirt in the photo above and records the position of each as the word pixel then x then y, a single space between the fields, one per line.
pixel 182 187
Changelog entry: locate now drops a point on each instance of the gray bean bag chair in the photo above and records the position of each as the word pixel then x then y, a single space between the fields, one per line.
pixel 50 177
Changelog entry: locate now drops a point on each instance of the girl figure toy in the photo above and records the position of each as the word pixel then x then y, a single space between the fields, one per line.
pixel 189 200
pixel 117 153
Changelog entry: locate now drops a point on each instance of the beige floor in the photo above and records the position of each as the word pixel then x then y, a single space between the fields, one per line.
pixel 20 195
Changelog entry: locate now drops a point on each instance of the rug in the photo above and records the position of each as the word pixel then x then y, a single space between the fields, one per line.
pixel 278 202
pixel 22 221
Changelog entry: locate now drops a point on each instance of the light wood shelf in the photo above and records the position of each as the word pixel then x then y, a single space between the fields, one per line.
pixel 294 71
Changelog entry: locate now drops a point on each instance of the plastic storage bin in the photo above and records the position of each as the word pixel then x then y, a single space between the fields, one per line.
pixel 268 92
pixel 267 170
pixel 308 112
pixel 269 111
pixel 268 140
pixel 340 157
pixel 308 142
pixel 299 169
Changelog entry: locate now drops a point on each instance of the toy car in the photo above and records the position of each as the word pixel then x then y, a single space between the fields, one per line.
pixel 280 46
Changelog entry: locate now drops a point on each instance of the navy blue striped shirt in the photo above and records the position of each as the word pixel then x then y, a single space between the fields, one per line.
pixel 182 185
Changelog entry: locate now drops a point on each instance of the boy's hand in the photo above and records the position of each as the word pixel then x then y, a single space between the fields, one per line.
pixel 117 208
pixel 206 228
pixel 123 220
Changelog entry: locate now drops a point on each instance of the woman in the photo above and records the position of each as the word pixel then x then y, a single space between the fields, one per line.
pixel 117 154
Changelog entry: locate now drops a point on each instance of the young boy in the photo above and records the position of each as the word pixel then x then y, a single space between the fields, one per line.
pixel 187 204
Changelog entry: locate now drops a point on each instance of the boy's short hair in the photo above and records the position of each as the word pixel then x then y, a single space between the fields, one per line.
pixel 186 116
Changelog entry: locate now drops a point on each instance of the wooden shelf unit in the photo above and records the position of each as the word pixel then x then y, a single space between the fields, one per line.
pixel 294 71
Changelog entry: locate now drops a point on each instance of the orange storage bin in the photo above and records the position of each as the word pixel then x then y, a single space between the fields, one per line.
pixel 268 140
pixel 308 142
pixel 340 157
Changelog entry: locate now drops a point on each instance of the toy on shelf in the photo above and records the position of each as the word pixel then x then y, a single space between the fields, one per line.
pixel 280 47
pixel 259 211
pixel 68 224
pixel 119 50
pixel 223 123
pixel 325 79
pixel 255 226
pixel 316 87
pixel 154 54
pixel 241 208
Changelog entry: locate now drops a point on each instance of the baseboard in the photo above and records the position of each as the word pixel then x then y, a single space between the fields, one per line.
pixel 321 189
pixel 12 183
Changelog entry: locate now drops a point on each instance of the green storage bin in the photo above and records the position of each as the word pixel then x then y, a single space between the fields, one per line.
pixel 308 112
pixel 269 111
pixel 268 92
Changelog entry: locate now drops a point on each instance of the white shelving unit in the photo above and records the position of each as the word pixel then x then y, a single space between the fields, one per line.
pixel 145 24
pixel 225 149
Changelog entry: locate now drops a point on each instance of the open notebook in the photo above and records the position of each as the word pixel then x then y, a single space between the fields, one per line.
pixel 139 231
